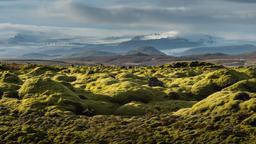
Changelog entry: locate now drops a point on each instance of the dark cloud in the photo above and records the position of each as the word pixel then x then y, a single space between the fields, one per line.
pixel 159 15
pixel 194 16
pixel 132 15
pixel 128 15
pixel 243 1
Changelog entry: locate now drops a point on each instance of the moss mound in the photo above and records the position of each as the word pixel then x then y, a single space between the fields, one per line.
pixel 215 81
pixel 7 87
pixel 125 92
pixel 126 75
pixel 11 94
pixel 223 103
pixel 113 104
pixel 168 106
pixel 64 78
pixel 35 87
pixel 204 88
pixel 245 85
pixel 99 107
pixel 40 93
pixel 9 77
pixel 100 83
pixel 42 70
pixel 132 108
pixel 238 98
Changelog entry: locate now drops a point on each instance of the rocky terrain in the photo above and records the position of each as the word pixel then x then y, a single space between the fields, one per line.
pixel 185 102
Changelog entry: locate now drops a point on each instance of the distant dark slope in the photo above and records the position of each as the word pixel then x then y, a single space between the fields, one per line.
pixel 145 51
pixel 37 56
pixel 138 59
pixel 207 56
pixel 248 55
pixel 232 50
pixel 91 53
pixel 164 43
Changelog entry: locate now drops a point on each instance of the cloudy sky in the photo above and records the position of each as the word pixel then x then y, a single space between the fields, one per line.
pixel 232 19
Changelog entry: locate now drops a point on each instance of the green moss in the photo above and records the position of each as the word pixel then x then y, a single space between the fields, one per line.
pixel 251 120
pixel 226 77
pixel 57 111
pixel 39 93
pixel 169 106
pixel 241 96
pixel 112 104
pixel 11 94
pixel 249 105
pixel 10 103
pixel 9 77
pixel 7 87
pixel 125 92
pixel 64 78
pixel 37 86
pixel 42 70
pixel 215 81
pixel 30 105
pixel 100 84
pixel 126 75
pixel 250 71
pixel 245 85
pixel 132 108
pixel 99 107
pixel 204 88
pixel 138 108
pixel 224 103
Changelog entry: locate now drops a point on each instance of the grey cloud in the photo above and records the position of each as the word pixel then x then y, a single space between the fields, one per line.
pixel 137 16
pixel 243 1
pixel 195 16
pixel 130 15
pixel 160 15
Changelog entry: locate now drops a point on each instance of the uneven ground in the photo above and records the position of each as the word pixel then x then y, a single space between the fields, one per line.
pixel 144 60
pixel 173 103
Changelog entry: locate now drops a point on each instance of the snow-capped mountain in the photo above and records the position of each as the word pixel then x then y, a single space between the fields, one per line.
pixel 163 35
pixel 203 38
pixel 170 40
pixel 170 43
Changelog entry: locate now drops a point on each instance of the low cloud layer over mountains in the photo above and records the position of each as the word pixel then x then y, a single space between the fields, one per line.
pixel 229 18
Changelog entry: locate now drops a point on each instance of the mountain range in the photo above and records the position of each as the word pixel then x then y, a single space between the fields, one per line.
pixel 169 43
pixel 231 50
pixel 145 51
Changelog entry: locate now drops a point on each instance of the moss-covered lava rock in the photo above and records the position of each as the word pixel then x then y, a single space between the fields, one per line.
pixel 184 102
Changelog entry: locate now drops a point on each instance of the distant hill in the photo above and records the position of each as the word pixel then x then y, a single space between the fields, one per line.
pixel 231 50
pixel 207 56
pixel 248 55
pixel 168 40
pixel 161 44
pixel 145 51
pixel 91 53
pixel 37 56
pixel 123 60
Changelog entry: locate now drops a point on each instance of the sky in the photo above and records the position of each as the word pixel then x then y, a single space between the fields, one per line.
pixel 231 19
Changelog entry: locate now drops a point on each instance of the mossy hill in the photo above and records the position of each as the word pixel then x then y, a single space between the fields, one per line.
pixel 184 102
